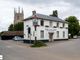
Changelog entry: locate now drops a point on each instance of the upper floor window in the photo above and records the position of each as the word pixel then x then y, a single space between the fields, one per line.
pixel 42 22
pixel 57 24
pixel 63 24
pixel 50 23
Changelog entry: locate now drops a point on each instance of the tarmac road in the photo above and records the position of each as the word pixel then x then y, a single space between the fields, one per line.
pixel 61 50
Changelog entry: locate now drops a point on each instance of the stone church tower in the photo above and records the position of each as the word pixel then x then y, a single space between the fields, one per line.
pixel 18 15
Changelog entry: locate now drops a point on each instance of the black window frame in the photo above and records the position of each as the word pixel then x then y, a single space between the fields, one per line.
pixel 42 22
pixel 57 24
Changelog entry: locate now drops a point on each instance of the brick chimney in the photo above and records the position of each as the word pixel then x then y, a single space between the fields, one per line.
pixel 34 12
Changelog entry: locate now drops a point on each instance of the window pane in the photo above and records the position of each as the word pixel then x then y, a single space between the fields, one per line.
pixel 57 24
pixel 42 23
pixel 63 24
pixel 42 34
pixel 58 34
pixel 63 33
pixel 50 23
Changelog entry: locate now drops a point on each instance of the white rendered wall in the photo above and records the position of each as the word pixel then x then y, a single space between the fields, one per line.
pixel 60 24
pixel 46 33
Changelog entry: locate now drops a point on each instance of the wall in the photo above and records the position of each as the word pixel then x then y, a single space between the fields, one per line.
pixel 46 33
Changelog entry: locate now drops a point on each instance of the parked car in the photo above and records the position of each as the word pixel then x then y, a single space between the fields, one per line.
pixel 75 37
pixel 17 38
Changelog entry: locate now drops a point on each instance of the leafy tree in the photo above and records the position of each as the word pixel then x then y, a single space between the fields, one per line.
pixel 73 25
pixel 55 13
pixel 18 27
pixel 11 27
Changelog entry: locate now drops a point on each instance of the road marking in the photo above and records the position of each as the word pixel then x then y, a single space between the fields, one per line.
pixel 1 57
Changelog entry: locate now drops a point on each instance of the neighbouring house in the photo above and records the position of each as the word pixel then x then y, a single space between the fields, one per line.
pixel 7 35
pixel 45 28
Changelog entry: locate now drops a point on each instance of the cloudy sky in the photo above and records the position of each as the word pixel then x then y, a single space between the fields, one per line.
pixel 65 8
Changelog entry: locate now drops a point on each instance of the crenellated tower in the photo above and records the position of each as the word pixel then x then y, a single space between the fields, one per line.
pixel 18 15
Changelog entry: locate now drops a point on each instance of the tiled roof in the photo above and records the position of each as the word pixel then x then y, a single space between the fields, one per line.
pixel 45 17
pixel 12 33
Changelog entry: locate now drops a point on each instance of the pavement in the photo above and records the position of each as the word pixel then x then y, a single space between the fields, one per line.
pixel 58 50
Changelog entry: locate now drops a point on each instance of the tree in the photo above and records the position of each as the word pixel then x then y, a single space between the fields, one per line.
pixel 18 27
pixel 73 25
pixel 55 13
pixel 11 27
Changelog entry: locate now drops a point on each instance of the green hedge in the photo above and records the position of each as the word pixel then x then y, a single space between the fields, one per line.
pixel 38 44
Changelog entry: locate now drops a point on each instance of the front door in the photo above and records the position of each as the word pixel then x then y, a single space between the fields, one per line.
pixel 50 37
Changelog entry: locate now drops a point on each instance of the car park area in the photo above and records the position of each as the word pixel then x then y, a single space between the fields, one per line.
pixel 58 50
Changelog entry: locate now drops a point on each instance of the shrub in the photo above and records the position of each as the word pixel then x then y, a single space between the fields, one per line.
pixel 38 44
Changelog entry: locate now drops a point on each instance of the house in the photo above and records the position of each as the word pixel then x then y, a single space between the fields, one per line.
pixel 45 28
pixel 7 35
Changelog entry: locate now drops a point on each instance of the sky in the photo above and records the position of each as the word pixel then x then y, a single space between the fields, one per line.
pixel 65 8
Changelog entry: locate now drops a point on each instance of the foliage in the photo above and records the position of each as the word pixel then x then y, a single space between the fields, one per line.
pixel 1 33
pixel 79 31
pixel 55 13
pixel 38 44
pixel 16 27
pixel 73 25
pixel 11 27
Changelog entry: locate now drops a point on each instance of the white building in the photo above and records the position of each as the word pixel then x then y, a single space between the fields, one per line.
pixel 49 28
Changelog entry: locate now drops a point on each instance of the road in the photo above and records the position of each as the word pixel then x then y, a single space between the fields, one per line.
pixel 61 50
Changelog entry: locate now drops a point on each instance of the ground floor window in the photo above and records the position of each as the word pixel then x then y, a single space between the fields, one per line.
pixel 57 34
pixel 29 31
pixel 63 33
pixel 42 33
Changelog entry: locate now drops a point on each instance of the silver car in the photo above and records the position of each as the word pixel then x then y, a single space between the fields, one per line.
pixel 17 38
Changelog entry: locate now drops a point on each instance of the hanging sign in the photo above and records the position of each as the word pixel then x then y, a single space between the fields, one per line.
pixel 35 22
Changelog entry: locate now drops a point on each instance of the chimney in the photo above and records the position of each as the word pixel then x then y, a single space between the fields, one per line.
pixel 34 12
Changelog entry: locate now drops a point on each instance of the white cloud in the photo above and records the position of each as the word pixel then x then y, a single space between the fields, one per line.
pixel 64 7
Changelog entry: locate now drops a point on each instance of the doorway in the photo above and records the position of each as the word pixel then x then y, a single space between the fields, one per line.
pixel 50 37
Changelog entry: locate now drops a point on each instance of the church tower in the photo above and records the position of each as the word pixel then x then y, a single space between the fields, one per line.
pixel 18 15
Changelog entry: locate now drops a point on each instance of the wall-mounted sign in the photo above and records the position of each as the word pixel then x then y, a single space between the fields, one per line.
pixel 50 29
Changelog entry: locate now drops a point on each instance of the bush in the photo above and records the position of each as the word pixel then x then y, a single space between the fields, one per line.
pixel 79 34
pixel 38 44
